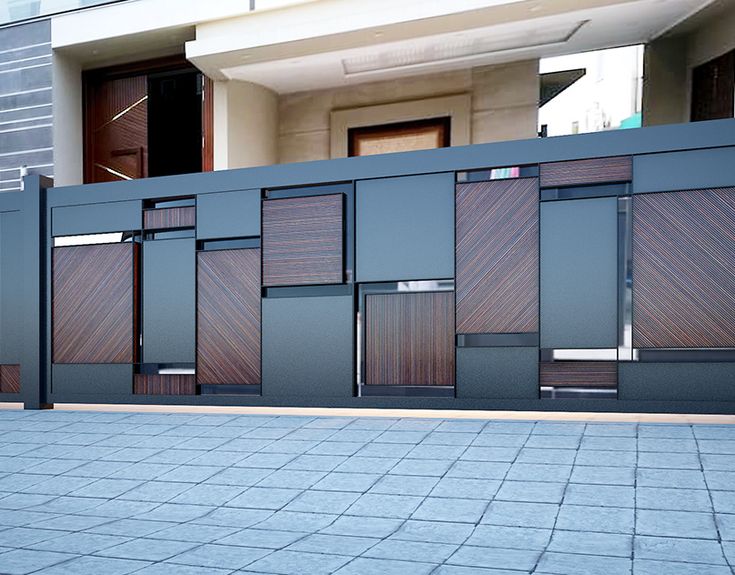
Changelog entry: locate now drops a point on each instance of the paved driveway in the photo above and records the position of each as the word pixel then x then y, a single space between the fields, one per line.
pixel 115 493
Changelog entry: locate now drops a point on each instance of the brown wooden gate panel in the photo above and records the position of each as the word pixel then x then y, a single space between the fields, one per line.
pixel 228 317
pixel 94 303
pixel 303 240
pixel 683 274
pixel 497 256
pixel 409 339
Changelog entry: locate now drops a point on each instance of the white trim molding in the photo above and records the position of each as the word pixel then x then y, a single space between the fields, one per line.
pixel 458 108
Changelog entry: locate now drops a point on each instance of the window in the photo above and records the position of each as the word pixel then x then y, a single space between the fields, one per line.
pixel 401 137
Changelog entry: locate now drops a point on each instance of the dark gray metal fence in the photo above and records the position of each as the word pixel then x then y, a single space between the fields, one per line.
pixel 592 272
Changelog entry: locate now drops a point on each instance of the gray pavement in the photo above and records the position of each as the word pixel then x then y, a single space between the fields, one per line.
pixel 191 494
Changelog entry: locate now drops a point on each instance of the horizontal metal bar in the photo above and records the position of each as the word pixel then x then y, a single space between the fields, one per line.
pixel 497 340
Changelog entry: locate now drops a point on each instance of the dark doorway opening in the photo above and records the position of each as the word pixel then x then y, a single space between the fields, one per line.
pixel 174 123
pixel 152 118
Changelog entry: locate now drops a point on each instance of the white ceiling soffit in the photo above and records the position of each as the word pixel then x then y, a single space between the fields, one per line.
pixel 535 29
pixel 473 46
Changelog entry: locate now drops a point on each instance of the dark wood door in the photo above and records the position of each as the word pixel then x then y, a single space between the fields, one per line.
pixel 713 89
pixel 116 130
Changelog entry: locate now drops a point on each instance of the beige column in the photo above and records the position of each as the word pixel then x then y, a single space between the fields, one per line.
pixel 245 125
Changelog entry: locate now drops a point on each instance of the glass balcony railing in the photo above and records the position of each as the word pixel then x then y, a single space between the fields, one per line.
pixel 19 10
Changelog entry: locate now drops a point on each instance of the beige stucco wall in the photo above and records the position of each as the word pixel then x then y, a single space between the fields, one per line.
pixel 668 64
pixel 504 106
pixel 245 125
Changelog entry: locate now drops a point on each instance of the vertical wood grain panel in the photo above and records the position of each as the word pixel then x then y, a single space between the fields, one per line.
pixel 600 374
pixel 9 378
pixel 592 171
pixel 409 339
pixel 303 240
pixel 167 218
pixel 497 256
pixel 683 271
pixel 94 303
pixel 175 384
pixel 228 317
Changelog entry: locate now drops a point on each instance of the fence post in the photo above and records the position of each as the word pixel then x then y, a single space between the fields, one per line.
pixel 33 360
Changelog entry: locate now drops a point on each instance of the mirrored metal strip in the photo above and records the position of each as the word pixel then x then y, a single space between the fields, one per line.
pixel 625 279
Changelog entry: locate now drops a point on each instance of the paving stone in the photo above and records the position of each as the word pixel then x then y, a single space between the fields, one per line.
pixel 531 491
pixel 673 499
pixel 473 453
pixel 649 567
pixel 479 470
pixel 603 475
pixel 572 564
pixel 363 526
pixel 510 537
pixel 596 519
pixel 539 472
pixel 494 558
pixel 600 495
pixel 550 456
pixel 723 501
pixel 220 556
pixel 679 478
pixel 147 549
pixel 434 531
pixel 313 501
pixel 605 544
pixel 264 498
pixel 297 521
pixel 339 481
pixel 194 532
pixel 404 485
pixel 466 488
pixel 675 524
pixel 450 509
pixel 334 544
pixel 389 506
pixel 316 462
pixel 679 550
pixel 425 467
pixel 500 440
pixel 208 494
pixel 369 566
pixel 606 458
pixel 669 460
pixel 97 565
pixel 553 441
pixel 518 514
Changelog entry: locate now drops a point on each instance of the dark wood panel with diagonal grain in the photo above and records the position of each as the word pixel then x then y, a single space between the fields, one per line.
pixel 228 317
pixel 497 256
pixel 592 171
pixel 303 240
pixel 600 374
pixel 409 339
pixel 173 384
pixel 169 218
pixel 116 129
pixel 683 269
pixel 10 378
pixel 94 303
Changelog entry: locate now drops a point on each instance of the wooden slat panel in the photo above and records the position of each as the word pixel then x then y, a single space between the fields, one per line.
pixel 94 303
pixel 683 270
pixel 228 317
pixel 10 378
pixel 302 240
pixel 497 256
pixel 168 218
pixel 592 171
pixel 409 339
pixel 601 374
pixel 151 384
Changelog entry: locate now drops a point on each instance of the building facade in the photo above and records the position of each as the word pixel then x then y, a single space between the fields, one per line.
pixel 211 234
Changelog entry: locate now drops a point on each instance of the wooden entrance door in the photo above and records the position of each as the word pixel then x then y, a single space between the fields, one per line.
pixel 116 129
